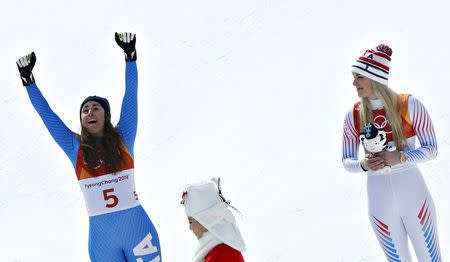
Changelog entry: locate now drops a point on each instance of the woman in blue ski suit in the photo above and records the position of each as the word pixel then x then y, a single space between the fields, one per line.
pixel 103 158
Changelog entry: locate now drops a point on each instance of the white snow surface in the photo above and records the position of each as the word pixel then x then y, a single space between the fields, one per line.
pixel 254 92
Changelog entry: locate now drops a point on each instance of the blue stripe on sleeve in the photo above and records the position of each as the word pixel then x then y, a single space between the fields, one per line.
pixel 423 126
pixel 350 145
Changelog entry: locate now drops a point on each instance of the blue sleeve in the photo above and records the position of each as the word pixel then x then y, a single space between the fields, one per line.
pixel 65 138
pixel 127 125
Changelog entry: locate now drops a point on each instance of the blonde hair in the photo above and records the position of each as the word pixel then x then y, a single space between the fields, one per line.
pixel 392 107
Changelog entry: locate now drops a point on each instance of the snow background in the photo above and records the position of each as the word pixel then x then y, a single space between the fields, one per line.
pixel 252 91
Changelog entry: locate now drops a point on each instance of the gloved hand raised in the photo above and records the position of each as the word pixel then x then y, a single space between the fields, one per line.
pixel 25 65
pixel 127 41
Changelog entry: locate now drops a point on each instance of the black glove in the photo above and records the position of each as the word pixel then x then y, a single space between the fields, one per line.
pixel 25 65
pixel 127 41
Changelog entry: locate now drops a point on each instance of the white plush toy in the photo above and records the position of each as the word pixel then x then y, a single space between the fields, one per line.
pixel 374 141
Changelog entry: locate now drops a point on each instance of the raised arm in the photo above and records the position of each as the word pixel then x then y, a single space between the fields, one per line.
pixel 127 125
pixel 65 138
pixel 423 127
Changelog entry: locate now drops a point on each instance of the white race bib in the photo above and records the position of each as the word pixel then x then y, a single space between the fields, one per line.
pixel 109 193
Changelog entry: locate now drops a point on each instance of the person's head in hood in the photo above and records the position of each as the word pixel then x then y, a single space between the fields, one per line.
pixel 213 223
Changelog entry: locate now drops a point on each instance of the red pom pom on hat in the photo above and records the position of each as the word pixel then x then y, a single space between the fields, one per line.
pixel 385 49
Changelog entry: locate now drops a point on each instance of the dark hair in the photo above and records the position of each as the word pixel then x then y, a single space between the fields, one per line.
pixel 111 156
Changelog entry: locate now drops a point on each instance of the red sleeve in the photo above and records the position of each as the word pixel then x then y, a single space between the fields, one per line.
pixel 224 253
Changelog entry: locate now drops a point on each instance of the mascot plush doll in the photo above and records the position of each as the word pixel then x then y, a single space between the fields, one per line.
pixel 374 141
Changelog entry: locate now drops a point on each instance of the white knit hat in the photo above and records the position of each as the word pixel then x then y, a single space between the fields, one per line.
pixel 205 203
pixel 374 64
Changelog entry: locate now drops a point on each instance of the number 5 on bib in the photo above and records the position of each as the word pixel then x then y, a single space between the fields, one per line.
pixel 110 196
